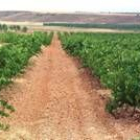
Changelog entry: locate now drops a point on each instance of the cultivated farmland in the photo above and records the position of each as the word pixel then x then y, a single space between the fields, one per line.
pixel 14 56
pixel 115 59
pixel 95 96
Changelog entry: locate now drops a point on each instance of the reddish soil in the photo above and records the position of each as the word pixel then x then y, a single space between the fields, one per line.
pixel 56 99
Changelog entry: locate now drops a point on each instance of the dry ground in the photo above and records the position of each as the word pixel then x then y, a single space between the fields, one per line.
pixel 56 99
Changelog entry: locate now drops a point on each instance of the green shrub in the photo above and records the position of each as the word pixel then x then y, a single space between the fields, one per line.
pixel 14 57
pixel 114 58
pixel 5 111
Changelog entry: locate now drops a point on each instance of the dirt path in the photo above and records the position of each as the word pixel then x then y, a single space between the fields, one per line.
pixel 57 100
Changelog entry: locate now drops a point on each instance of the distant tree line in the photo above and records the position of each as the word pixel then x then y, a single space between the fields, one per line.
pixel 4 27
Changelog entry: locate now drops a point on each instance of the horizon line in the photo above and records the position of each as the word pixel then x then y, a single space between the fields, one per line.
pixel 74 12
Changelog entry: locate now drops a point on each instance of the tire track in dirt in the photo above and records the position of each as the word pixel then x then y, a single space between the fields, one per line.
pixel 57 100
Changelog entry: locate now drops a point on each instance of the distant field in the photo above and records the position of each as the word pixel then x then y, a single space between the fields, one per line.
pixel 65 27
pixel 38 26
pixel 97 25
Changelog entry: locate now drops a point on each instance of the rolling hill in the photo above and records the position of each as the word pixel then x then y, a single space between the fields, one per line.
pixel 78 17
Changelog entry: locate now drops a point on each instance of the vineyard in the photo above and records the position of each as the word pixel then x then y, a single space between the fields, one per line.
pixel 14 55
pixel 58 93
pixel 115 59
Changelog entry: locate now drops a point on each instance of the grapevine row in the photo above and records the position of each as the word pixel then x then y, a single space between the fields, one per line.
pixel 114 58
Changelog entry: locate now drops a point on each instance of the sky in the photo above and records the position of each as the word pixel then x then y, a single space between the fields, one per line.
pixel 72 5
